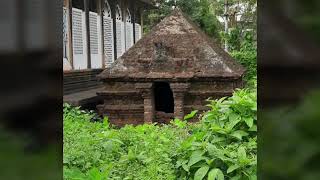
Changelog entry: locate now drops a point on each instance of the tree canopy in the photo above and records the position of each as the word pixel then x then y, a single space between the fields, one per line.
pixel 209 16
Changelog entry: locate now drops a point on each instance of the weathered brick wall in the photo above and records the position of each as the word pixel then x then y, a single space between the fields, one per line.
pixel 122 117
pixel 124 103
pixel 199 92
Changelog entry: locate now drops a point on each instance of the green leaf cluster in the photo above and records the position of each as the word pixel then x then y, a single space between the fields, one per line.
pixel 94 150
pixel 223 145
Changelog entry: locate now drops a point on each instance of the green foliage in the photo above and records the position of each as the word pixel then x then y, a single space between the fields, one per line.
pixel 240 40
pixel 247 56
pixel 232 38
pixel 249 60
pixel 191 115
pixel 205 14
pixel 223 146
pixel 201 12
pixel 183 123
pixel 142 152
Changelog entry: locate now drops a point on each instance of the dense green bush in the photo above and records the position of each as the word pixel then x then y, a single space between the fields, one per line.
pixel 221 146
pixel 95 150
pixel 224 144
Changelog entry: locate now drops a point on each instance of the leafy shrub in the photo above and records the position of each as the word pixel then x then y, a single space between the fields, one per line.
pixel 93 149
pixel 223 146
pixel 84 141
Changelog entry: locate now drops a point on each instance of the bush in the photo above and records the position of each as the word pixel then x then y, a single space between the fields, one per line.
pixel 93 149
pixel 222 145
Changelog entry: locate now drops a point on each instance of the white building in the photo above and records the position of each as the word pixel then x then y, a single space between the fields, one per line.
pixel 96 32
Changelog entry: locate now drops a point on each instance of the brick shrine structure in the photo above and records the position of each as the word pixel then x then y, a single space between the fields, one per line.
pixel 168 73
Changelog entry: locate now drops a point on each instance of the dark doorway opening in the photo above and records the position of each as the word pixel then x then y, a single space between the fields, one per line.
pixel 163 97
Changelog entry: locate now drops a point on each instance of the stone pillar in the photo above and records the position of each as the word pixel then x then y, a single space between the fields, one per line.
pixel 179 90
pixel 146 91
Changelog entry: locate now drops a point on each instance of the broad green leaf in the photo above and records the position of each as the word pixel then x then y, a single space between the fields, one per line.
pixel 209 116
pixel 242 153
pixel 94 174
pixel 211 149
pixel 237 177
pixel 232 168
pixel 74 174
pixel 196 156
pixel 201 173
pixel 200 164
pixel 233 117
pixel 249 121
pixel 191 115
pixel 218 139
pixel 209 161
pixel 253 177
pixel 185 167
pixel 232 123
pixel 253 128
pixel 239 134
pixel 215 174
pixel 218 129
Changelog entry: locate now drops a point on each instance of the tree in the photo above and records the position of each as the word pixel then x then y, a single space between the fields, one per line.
pixel 201 12
pixel 208 15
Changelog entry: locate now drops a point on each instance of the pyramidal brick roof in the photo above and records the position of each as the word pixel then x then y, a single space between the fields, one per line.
pixel 174 49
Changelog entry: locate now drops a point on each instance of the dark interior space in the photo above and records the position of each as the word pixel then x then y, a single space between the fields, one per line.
pixel 78 4
pixel 163 97
pixel 93 7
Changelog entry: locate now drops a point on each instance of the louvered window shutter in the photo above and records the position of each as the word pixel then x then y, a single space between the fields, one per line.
pixel 129 31
pixel 79 39
pixel 108 36
pixel 95 44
